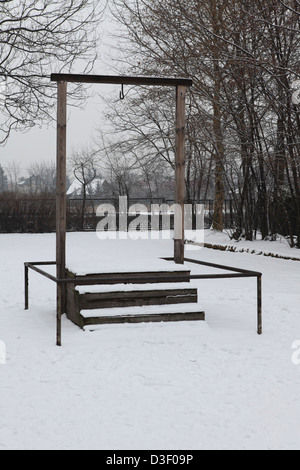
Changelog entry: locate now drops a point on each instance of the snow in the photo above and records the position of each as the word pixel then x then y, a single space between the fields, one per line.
pixel 194 385
pixel 280 247
pixel 133 287
pixel 113 256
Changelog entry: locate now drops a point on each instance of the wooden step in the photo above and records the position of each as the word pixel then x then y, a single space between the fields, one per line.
pixel 148 314
pixel 130 296
pixel 174 276
pixel 110 288
pixel 113 297
pixel 108 297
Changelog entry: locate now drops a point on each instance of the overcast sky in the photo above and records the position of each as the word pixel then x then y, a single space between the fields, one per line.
pixel 39 144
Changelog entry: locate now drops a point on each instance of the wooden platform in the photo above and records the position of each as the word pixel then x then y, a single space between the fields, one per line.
pixel 105 302
pixel 108 278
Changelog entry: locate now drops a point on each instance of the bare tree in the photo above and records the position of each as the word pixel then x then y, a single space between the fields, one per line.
pixel 14 172
pixel 41 178
pixel 38 37
pixel 185 38
pixel 85 168
pixel 243 56
pixel 3 181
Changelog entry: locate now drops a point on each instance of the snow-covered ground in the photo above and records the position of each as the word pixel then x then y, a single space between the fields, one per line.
pixel 280 247
pixel 203 385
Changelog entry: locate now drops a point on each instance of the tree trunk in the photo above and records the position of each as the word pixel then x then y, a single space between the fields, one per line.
pixel 218 218
pixel 83 207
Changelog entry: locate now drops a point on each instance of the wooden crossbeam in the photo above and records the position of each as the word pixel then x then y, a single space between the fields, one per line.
pixel 121 80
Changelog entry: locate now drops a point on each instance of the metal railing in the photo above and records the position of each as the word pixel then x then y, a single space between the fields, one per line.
pixel 130 279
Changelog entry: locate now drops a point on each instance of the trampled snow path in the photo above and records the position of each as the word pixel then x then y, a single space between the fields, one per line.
pixel 212 385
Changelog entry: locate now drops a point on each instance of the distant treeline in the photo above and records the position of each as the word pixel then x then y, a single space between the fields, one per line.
pixel 37 214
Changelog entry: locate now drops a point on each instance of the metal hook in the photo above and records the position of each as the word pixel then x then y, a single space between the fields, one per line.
pixel 122 95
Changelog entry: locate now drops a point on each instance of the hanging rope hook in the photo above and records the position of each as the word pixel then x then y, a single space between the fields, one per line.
pixel 122 95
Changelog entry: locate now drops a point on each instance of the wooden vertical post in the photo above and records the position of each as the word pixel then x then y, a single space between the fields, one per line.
pixel 61 225
pixel 180 168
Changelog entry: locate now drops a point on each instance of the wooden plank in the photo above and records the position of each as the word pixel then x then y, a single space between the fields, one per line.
pixel 173 277
pixel 154 318
pixel 135 302
pixel 72 298
pixel 73 310
pixel 75 317
pixel 131 299
pixel 180 172
pixel 125 80
pixel 61 201
pixel 138 293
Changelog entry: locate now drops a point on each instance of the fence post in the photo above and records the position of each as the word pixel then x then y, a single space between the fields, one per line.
pixel 26 287
pixel 259 305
